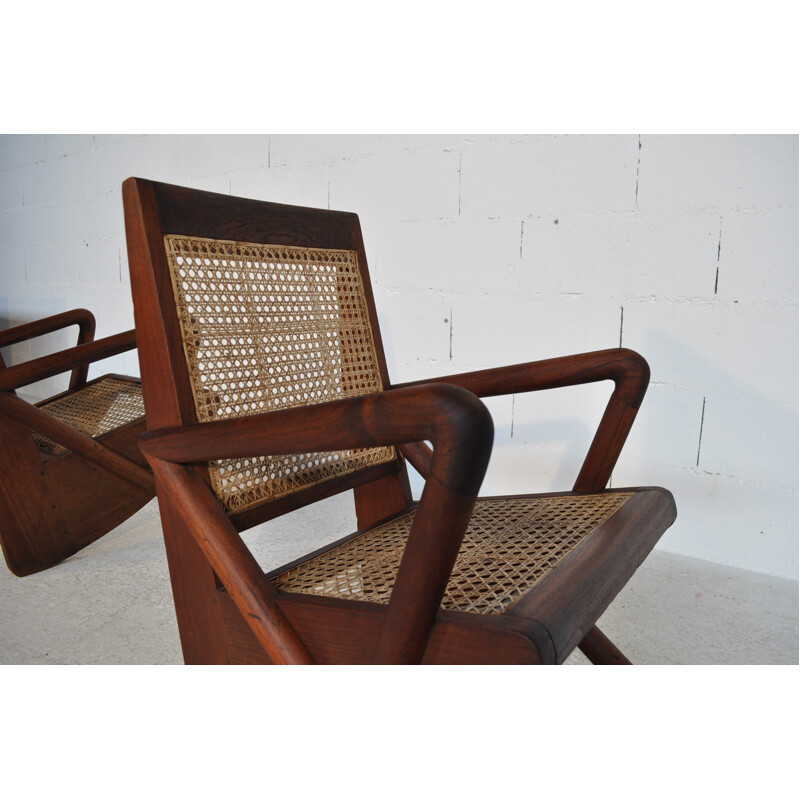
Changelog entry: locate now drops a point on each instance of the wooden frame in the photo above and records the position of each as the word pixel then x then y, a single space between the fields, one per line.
pixel 229 611
pixel 52 506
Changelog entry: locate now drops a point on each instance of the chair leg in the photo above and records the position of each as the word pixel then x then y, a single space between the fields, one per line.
pixel 599 649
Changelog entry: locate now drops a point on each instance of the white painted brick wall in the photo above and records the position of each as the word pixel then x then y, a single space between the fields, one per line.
pixel 370 186
pixel 487 250
pixel 548 175
pixel 624 253
pixel 721 172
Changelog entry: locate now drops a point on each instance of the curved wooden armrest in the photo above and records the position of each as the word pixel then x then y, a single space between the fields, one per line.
pixel 81 317
pixel 625 367
pixel 453 419
pixel 74 357
pixel 628 370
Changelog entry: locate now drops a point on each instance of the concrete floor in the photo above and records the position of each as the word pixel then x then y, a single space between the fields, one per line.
pixel 112 604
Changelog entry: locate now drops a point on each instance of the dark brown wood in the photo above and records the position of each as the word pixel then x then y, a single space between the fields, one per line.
pixel 455 421
pixel 168 401
pixel 53 506
pixel 428 559
pixel 228 610
pixel 168 393
pixel 346 632
pixel 54 364
pixel 81 317
pixel 232 562
pixel 436 411
pixel 419 455
pixel 377 500
pixel 627 369
pixel 195 590
pixel 599 649
pixel 92 500
pixel 34 418
pixel 33 535
pixel 568 601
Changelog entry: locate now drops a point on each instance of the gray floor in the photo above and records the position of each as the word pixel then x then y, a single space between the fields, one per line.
pixel 111 603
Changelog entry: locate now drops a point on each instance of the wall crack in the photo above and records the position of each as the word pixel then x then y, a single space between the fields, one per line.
pixel 459 184
pixel 451 333
pixel 700 440
pixel 638 165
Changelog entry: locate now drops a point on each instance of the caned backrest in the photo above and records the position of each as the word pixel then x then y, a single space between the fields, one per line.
pixel 260 311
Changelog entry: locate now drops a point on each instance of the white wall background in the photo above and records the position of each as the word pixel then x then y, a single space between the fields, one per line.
pixel 489 250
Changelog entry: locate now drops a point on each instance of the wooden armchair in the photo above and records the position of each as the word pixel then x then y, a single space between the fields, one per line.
pixel 266 389
pixel 71 467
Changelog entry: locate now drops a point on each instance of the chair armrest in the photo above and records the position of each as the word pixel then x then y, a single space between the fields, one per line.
pixel 628 370
pixel 81 317
pixel 74 357
pixel 432 412
pixel 453 419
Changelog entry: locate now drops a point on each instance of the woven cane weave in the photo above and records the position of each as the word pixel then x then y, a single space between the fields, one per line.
pixel 509 545
pixel 266 328
pixel 94 410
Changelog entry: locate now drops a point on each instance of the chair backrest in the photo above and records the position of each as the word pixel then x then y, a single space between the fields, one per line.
pixel 244 307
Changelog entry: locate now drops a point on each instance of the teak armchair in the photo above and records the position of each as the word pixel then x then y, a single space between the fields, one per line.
pixel 266 389
pixel 71 466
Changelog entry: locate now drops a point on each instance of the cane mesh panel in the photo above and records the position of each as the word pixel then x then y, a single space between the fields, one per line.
pixel 95 409
pixel 509 545
pixel 266 328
